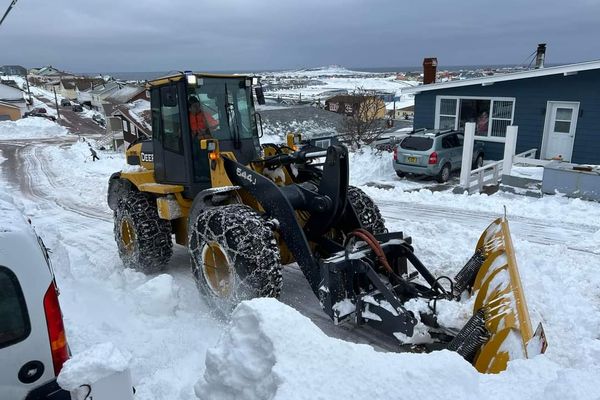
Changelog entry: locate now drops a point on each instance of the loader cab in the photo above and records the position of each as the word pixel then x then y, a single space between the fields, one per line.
pixel 189 107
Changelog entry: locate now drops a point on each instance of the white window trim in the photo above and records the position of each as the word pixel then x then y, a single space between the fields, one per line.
pixel 487 138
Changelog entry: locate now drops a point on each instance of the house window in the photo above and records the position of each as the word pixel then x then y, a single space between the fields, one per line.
pixel 126 127
pixel 447 116
pixel 490 115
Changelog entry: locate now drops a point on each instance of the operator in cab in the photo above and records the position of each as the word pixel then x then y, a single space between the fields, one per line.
pixel 201 122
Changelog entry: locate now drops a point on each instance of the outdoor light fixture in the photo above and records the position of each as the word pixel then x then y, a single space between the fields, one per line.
pixel 192 80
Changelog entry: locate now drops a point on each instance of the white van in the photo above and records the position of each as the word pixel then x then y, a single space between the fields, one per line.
pixel 33 345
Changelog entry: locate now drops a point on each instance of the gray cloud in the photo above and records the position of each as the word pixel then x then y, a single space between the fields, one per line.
pixel 152 35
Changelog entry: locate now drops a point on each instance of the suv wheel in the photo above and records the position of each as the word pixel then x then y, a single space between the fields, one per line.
pixel 444 174
pixel 400 174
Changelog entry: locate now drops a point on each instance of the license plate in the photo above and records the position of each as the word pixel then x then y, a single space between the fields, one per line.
pixel 411 159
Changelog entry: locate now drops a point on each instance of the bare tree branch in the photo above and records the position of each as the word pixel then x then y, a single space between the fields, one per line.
pixel 366 123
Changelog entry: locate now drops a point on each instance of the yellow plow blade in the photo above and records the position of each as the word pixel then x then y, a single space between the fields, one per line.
pixel 500 297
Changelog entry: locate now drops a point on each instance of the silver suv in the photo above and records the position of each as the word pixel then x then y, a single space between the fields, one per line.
pixel 434 153
pixel 33 346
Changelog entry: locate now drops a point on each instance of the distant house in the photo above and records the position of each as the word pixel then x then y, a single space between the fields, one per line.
pixel 100 93
pixel 71 88
pixel 13 96
pixel 13 70
pixel 351 104
pixel 9 112
pixel 126 94
pixel 557 110
pixel 136 120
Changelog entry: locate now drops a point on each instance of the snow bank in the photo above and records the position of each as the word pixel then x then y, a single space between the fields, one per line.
pixel 91 365
pixel 31 128
pixel 559 208
pixel 536 173
pixel 375 168
pixel 270 351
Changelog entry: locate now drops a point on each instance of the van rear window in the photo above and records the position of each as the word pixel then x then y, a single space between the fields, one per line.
pixel 14 320
pixel 417 143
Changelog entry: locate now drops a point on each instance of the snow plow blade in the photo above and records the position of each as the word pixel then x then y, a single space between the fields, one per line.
pixel 501 319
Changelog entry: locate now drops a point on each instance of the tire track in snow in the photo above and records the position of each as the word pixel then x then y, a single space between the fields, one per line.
pixel 530 229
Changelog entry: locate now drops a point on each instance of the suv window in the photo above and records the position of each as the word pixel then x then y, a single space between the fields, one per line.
pixel 450 141
pixel 418 143
pixel 14 320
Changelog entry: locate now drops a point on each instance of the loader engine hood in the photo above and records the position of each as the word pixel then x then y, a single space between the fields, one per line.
pixel 141 153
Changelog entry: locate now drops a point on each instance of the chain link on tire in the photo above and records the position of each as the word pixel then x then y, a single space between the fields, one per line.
pixel 367 211
pixel 143 239
pixel 235 256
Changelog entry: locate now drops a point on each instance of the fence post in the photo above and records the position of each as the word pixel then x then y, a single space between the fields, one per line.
pixel 510 147
pixel 467 155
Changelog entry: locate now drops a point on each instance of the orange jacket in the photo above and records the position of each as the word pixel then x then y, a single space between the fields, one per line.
pixel 198 121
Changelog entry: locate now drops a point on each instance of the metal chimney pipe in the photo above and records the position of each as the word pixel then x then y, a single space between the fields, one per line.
pixel 540 56
pixel 429 70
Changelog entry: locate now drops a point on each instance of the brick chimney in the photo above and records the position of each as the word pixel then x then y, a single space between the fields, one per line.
pixel 429 70
pixel 540 56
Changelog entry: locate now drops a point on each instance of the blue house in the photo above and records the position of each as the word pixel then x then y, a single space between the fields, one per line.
pixel 557 110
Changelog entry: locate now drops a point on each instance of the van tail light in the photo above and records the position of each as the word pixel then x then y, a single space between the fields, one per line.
pixel 395 153
pixel 56 329
pixel 433 158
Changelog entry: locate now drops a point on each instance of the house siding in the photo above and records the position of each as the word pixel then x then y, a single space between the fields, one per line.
pixel 531 97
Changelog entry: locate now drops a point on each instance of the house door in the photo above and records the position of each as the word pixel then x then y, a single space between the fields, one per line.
pixel 559 131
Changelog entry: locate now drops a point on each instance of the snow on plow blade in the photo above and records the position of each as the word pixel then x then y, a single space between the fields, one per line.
pixel 501 320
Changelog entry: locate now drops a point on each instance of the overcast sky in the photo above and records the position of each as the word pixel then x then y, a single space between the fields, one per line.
pixel 152 35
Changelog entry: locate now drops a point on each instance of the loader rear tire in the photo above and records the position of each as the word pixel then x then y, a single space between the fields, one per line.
pixel 235 256
pixel 143 239
pixel 367 211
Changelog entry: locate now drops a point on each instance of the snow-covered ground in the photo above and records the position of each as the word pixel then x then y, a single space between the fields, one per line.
pixel 335 78
pixel 161 323
pixel 31 128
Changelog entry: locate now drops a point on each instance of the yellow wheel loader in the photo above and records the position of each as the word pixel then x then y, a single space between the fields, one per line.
pixel 245 210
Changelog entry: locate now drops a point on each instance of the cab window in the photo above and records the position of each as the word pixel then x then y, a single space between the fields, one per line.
pixel 14 320
pixel 171 124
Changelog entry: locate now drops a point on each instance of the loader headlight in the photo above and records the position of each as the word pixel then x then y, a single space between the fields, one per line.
pixel 192 80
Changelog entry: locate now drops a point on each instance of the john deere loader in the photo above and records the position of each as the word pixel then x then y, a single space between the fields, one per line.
pixel 245 210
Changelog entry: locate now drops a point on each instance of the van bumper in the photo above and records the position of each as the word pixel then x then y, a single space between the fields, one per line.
pixel 49 391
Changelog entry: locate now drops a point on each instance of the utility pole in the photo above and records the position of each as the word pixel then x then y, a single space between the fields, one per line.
pixel 10 7
pixel 27 82
pixel 56 102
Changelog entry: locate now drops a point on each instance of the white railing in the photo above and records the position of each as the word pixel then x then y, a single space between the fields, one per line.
pixel 490 174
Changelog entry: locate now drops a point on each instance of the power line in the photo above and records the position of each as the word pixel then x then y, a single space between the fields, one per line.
pixel 10 7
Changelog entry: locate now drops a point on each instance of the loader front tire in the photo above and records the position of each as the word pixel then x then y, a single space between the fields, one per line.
pixel 235 256
pixel 367 211
pixel 143 239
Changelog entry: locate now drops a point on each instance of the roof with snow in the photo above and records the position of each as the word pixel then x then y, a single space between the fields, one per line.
pixel 10 93
pixel 137 113
pixel 569 69
pixel 125 94
pixel 81 83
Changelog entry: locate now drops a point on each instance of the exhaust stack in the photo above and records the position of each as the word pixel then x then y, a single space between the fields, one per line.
pixel 540 56
pixel 429 70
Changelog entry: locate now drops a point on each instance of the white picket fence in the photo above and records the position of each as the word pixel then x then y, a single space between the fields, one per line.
pixel 490 174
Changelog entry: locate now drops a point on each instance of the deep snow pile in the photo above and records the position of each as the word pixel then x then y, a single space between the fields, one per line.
pixel 375 167
pixel 31 128
pixel 93 364
pixel 270 351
